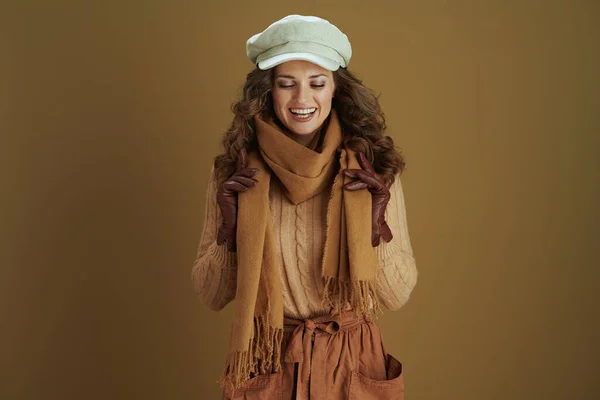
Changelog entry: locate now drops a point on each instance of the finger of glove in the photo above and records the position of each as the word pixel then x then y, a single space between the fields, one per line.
pixel 374 184
pixel 226 235
pixel 352 172
pixel 248 172
pixel 233 186
pixel 386 232
pixel 221 235
pixel 356 185
pixel 375 239
pixel 364 163
pixel 231 245
pixel 375 233
pixel 242 161
pixel 248 182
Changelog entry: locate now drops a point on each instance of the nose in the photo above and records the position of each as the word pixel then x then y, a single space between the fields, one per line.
pixel 302 94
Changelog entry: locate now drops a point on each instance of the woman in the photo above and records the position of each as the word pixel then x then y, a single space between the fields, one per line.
pixel 298 228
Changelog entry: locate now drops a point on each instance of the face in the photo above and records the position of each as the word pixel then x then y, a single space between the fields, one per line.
pixel 302 94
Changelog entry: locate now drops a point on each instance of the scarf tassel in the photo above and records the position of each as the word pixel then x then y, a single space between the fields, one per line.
pixel 359 294
pixel 262 357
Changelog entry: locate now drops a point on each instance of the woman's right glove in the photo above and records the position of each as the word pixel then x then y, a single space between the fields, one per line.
pixel 227 198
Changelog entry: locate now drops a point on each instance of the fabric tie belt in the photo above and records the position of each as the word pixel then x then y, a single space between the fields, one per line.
pixel 308 334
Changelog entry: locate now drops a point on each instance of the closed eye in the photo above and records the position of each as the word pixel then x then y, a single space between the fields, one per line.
pixel 289 86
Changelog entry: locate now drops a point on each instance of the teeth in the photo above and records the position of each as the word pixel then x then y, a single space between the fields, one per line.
pixel 303 110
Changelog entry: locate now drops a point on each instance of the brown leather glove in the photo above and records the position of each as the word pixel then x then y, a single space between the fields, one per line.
pixel 227 198
pixel 380 195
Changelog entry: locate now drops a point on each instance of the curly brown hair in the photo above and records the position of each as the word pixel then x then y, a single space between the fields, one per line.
pixel 361 119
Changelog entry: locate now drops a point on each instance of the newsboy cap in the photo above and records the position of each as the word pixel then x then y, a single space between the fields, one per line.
pixel 300 37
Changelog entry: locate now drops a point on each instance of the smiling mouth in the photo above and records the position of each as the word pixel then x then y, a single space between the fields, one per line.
pixel 303 112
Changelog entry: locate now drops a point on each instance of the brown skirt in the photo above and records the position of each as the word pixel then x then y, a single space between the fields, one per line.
pixel 330 357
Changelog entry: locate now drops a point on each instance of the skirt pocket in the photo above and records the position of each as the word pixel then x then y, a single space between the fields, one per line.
pixel 261 387
pixel 364 388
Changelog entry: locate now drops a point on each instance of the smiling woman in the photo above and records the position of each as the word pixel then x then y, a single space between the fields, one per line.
pixel 302 97
pixel 296 210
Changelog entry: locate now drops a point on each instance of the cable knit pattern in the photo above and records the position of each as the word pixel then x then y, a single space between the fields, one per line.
pixel 301 245
pixel 398 273
pixel 299 239
pixel 302 252
pixel 275 200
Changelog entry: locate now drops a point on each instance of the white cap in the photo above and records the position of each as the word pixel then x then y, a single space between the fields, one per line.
pixel 299 37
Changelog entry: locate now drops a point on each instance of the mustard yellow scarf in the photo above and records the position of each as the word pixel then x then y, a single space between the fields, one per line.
pixel 349 262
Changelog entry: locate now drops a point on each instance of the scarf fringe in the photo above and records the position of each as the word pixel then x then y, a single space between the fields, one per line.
pixel 338 293
pixel 262 357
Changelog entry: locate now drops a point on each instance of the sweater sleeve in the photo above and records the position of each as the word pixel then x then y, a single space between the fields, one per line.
pixel 214 272
pixel 397 274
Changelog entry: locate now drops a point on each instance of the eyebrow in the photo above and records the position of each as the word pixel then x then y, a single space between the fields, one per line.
pixel 293 77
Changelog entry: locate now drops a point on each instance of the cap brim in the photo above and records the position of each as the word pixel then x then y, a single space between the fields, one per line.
pixel 316 59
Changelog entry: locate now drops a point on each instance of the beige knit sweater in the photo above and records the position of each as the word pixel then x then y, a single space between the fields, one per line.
pixel 299 238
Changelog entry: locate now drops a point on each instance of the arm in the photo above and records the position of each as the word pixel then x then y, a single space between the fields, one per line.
pixel 397 274
pixel 215 270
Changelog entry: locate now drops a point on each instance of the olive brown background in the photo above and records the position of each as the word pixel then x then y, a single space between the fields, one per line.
pixel 112 111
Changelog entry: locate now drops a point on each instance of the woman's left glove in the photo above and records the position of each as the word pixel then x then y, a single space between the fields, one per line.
pixel 380 195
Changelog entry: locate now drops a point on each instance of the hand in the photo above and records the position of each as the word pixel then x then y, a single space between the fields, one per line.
pixel 227 198
pixel 380 196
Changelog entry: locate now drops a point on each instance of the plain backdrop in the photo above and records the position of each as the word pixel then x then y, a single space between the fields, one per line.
pixel 111 113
